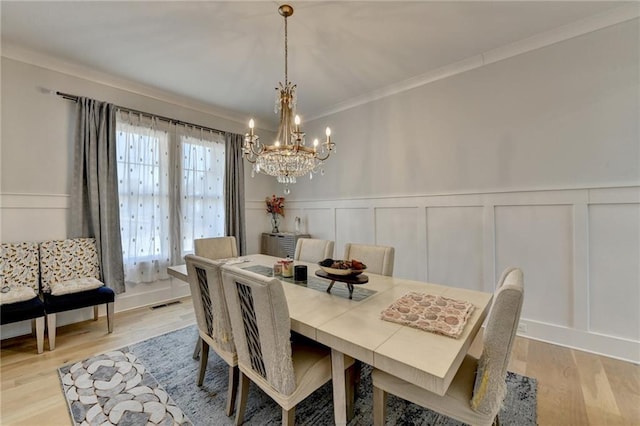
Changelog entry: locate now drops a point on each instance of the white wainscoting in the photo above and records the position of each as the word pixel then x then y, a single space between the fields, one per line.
pixel 579 250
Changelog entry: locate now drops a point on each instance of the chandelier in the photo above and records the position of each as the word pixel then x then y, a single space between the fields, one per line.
pixel 288 157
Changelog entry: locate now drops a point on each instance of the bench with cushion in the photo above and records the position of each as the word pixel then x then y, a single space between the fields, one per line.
pixel 70 279
pixel 19 284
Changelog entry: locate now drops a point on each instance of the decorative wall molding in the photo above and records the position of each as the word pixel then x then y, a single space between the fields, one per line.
pixel 578 249
pixel 34 201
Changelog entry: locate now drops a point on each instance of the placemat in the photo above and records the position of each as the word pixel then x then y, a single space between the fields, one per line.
pixel 427 312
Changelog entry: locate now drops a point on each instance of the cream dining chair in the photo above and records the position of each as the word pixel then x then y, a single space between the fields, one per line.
pixel 313 250
pixel 216 248
pixel 478 389
pixel 379 259
pixel 212 316
pixel 286 367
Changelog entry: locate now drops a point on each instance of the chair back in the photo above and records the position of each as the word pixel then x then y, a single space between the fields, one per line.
pixel 209 304
pixel 20 265
pixel 379 259
pixel 216 248
pixel 70 259
pixel 313 250
pixel 490 387
pixel 261 327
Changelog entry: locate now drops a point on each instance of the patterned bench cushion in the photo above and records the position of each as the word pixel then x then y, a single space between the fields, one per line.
pixel 74 286
pixel 16 293
pixel 66 260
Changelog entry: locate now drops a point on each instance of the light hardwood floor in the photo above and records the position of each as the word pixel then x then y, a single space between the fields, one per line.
pixel 574 387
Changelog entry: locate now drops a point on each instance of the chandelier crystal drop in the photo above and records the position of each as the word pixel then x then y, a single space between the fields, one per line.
pixel 288 157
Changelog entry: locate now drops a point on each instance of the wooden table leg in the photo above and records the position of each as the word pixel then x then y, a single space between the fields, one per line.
pixel 330 285
pixel 339 387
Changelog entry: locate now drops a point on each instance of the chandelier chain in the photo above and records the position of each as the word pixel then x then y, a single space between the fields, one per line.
pixel 286 54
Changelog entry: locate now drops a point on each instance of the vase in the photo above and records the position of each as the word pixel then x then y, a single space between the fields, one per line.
pixel 275 222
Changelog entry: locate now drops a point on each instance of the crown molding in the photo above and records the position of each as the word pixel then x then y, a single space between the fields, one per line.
pixel 557 35
pixel 12 51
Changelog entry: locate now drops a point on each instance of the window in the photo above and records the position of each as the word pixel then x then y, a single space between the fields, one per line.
pixel 202 191
pixel 171 183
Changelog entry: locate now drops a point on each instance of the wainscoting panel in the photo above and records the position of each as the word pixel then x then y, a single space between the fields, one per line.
pixel 320 224
pixel 538 239
pixel 614 265
pixel 456 247
pixel 257 222
pixel 579 250
pixel 404 229
pixel 353 225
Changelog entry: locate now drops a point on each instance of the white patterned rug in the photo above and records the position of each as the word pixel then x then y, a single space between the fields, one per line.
pixel 116 388
pixel 160 388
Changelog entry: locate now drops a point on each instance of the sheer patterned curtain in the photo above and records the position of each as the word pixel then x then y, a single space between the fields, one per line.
pixel 171 186
pixel 143 186
pixel 200 187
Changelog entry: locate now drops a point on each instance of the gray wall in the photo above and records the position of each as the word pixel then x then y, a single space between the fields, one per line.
pixel 562 116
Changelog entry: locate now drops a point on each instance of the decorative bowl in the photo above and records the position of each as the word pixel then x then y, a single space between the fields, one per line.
pixel 341 271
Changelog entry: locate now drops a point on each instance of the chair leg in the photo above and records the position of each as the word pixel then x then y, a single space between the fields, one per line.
pixel 40 334
pixel 232 389
pixel 196 349
pixel 95 312
pixel 204 358
pixel 288 417
pixel 379 406
pixel 110 318
pixel 51 330
pixel 244 394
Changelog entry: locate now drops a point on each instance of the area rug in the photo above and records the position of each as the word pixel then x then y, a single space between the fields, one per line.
pixel 167 385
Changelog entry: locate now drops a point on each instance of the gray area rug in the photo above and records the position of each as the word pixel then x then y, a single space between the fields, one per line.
pixel 168 358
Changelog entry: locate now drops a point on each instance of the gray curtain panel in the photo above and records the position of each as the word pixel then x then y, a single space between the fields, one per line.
pixel 94 195
pixel 234 190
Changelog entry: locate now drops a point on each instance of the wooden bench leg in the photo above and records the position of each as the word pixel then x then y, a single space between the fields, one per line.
pixel 110 318
pixel 40 334
pixel 51 330
pixel 95 313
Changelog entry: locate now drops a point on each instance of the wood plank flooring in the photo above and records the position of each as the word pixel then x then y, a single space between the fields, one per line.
pixel 574 387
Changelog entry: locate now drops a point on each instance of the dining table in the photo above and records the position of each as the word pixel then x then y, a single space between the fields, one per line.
pixel 353 326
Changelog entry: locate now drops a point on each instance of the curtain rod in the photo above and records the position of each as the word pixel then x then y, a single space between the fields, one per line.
pixel 75 98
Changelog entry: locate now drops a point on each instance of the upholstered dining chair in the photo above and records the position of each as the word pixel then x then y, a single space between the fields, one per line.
pixel 478 389
pixel 313 250
pixel 379 259
pixel 70 279
pixel 216 247
pixel 20 285
pixel 212 316
pixel 286 367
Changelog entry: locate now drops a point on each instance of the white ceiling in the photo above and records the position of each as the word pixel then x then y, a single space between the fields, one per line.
pixel 231 54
